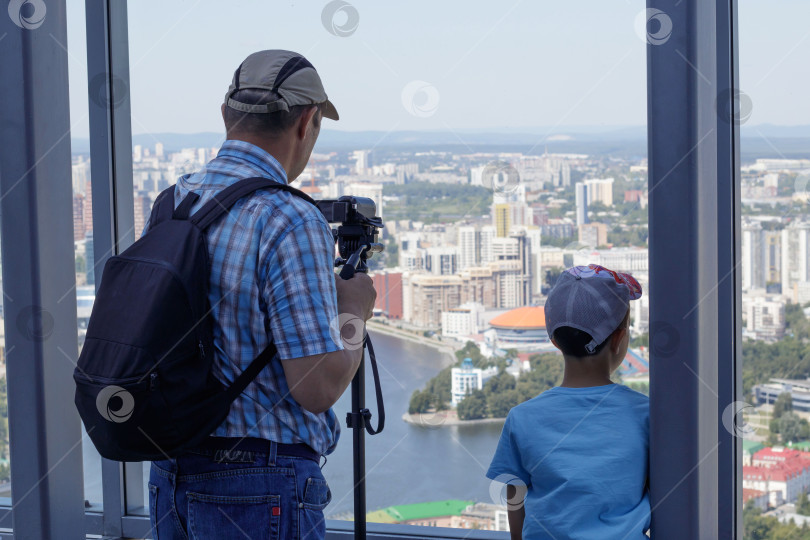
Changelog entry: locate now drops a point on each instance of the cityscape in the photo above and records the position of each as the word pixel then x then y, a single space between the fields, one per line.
pixel 473 241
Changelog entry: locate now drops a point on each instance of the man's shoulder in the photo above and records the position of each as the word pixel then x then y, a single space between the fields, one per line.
pixel 280 204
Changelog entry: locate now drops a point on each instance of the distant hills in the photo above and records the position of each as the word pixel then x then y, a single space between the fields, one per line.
pixel 764 140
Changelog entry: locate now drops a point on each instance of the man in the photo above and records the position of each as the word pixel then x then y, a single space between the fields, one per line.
pixel 272 279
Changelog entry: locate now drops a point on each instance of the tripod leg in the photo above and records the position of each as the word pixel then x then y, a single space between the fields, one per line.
pixel 359 446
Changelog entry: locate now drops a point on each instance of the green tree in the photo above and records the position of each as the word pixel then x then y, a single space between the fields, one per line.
pixel 439 387
pixel 470 350
pixel 783 404
pixel 790 427
pixel 498 384
pixel 81 266
pixel 803 505
pixel 500 404
pixel 420 402
pixel 472 407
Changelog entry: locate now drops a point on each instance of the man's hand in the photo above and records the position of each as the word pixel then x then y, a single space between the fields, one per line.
pixel 356 295
pixel 316 382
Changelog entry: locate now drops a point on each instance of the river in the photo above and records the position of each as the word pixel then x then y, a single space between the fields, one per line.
pixel 405 463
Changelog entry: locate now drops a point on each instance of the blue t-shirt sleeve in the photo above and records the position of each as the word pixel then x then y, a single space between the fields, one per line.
pixel 507 466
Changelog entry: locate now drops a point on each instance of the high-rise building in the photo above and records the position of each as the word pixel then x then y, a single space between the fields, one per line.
pixel 143 208
pixel 89 257
pixel 362 161
pixel 469 248
pixel 389 293
pixel 593 234
pixel 78 216
pixel 441 261
pixel 501 219
pixel 488 235
pixel 426 296
pixel 565 174
pixel 581 198
pixel 88 207
pixel 159 150
pixel 601 190
pixel 753 255
pixel 795 254
pixel 772 241
pixel 371 191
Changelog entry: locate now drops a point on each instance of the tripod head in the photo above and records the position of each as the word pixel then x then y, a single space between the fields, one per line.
pixel 357 233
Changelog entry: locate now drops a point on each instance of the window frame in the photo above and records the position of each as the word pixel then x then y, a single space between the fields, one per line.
pixel 693 171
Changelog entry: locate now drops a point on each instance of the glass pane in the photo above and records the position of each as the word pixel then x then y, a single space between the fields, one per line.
pixel 775 163
pixel 493 169
pixel 76 51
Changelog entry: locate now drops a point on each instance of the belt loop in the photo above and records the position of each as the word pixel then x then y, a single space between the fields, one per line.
pixel 271 457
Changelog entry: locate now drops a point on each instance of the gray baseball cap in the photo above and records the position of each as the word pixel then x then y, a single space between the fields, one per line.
pixel 286 73
pixel 592 299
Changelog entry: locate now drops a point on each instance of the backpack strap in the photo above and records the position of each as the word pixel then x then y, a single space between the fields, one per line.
pixel 244 379
pixel 163 208
pixel 226 198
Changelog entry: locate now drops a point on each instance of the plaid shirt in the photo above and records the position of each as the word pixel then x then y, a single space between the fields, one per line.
pixel 271 275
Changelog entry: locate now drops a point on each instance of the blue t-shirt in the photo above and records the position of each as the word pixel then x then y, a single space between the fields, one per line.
pixel 583 454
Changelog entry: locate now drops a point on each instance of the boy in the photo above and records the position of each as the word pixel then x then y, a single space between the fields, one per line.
pixel 578 453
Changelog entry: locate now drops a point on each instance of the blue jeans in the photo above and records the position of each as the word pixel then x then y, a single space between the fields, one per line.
pixel 214 494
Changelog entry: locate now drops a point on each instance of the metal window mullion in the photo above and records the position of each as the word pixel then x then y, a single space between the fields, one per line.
pixel 729 273
pixel 111 177
pixel 694 308
pixel 39 304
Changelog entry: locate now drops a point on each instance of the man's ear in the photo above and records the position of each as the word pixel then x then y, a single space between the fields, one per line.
pixel 305 122
pixel 555 343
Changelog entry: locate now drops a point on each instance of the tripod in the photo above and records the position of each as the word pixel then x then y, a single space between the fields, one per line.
pixel 359 421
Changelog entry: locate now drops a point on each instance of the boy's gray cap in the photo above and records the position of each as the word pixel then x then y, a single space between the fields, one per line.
pixel 288 74
pixel 592 299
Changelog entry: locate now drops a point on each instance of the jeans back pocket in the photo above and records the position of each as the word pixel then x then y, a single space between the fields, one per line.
pixel 216 517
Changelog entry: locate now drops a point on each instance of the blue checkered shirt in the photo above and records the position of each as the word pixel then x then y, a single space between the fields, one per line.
pixel 272 260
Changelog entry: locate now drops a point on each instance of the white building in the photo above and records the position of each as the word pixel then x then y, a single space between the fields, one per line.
pixel 488 234
pixel 599 189
pixel 442 261
pixel 371 191
pixel 466 379
pixel 464 320
pixel 764 315
pixel 753 255
pixel 581 197
pixel 795 254
pixel 625 259
pixel 468 247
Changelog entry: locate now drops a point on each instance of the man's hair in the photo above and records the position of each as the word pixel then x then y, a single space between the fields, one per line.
pixel 572 341
pixel 267 124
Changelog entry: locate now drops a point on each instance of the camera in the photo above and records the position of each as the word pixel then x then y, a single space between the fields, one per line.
pixel 357 233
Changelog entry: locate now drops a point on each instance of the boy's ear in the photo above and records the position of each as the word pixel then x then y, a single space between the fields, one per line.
pixel 616 338
pixel 555 343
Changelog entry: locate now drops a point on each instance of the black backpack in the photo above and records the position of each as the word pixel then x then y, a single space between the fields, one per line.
pixel 144 383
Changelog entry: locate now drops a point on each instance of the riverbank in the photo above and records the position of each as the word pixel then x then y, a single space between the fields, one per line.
pixel 448 350
pixel 446 418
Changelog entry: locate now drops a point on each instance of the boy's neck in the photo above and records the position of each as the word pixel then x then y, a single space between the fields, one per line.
pixel 586 372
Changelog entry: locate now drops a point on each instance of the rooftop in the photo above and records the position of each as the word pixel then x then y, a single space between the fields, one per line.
pixel 530 317
pixel 426 510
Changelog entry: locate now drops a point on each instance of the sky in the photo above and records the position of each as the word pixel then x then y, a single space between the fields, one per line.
pixel 450 65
